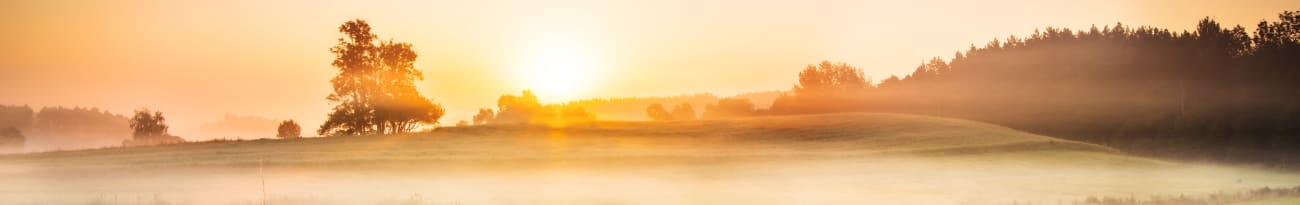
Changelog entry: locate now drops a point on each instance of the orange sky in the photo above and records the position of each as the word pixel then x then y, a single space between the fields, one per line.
pixel 198 60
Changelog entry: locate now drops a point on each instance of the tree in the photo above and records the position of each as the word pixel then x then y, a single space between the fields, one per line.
pixel 830 78
pixel 657 112
pixel 145 124
pixel 824 87
pixel 521 109
pixel 289 129
pixel 11 139
pixel 484 116
pixel 374 91
pixel 684 111
pixel 150 128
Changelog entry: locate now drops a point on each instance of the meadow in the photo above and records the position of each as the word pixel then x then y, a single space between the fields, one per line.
pixel 849 158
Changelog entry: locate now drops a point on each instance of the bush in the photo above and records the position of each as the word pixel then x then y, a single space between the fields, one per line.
pixel 289 129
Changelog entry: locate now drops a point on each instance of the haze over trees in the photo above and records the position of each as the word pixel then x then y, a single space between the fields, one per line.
pixel 18 117
pixel 526 109
pixel 484 116
pixel 11 139
pixel 682 111
pixel 729 108
pixel 60 127
pixel 657 112
pixel 825 87
pixel 374 91
pixel 633 108
pixel 1216 93
pixel 150 128
pixel 288 130
pixel 235 126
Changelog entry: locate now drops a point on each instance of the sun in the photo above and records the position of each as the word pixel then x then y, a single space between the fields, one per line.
pixel 560 72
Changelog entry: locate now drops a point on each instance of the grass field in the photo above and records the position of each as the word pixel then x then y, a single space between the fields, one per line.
pixel 814 159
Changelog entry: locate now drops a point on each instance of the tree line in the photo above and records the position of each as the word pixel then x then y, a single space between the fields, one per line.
pixel 1214 93
pixel 60 127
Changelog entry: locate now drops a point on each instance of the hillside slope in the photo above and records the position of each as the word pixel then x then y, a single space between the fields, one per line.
pixel 846 134
pixel 851 158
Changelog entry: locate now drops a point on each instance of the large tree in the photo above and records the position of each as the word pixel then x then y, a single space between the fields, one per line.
pixel 374 91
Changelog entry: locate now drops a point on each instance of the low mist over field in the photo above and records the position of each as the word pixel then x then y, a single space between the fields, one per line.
pixel 847 158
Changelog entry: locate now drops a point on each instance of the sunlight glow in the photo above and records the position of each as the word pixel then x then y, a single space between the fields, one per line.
pixel 560 70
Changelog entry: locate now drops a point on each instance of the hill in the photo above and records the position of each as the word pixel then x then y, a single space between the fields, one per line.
pixel 828 134
pixel 848 158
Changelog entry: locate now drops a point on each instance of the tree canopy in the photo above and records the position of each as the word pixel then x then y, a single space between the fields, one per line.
pixel 288 129
pixel 150 128
pixel 374 91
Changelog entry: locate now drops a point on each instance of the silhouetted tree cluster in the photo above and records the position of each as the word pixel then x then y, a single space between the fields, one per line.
pixel 484 116
pixel 825 87
pixel 729 108
pixel 150 128
pixel 1212 93
pixel 374 92
pixel 526 109
pixel 658 113
pixel 682 111
pixel 11 139
pixel 288 130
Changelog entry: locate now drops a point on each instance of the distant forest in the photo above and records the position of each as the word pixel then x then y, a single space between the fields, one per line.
pixel 1215 93
pixel 65 128
pixel 633 108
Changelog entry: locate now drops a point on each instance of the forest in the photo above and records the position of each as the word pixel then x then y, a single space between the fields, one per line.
pixel 1217 93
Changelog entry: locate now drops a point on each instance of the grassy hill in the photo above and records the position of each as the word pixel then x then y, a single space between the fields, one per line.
pixel 831 134
pixel 850 158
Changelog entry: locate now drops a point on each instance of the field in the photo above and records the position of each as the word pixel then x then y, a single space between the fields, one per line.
pixel 856 158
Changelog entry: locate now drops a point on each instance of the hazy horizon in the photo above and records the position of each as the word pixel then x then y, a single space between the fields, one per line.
pixel 199 61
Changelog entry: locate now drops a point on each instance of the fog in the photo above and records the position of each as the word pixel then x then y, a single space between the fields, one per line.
pixel 983 179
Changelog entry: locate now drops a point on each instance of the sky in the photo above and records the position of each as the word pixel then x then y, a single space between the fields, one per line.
pixel 199 60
